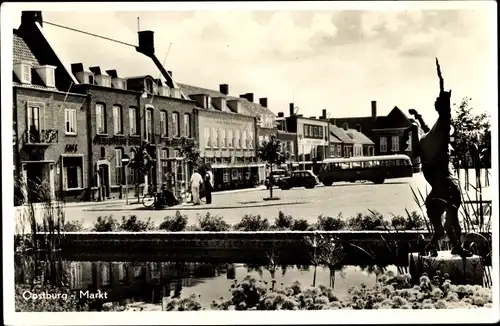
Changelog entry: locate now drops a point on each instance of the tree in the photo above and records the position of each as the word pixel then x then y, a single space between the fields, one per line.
pixel 188 148
pixel 272 153
pixel 471 129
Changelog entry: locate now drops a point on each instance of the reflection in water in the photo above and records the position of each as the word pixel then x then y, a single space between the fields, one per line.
pixel 150 282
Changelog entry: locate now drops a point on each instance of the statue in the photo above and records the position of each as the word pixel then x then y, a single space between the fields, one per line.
pixel 433 150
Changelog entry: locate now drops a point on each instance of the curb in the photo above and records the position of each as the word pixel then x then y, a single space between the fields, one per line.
pixel 132 199
pixel 197 208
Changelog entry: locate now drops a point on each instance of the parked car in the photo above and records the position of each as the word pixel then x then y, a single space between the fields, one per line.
pixel 303 178
pixel 275 177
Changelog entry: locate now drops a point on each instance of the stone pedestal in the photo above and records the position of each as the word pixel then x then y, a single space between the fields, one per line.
pixel 460 271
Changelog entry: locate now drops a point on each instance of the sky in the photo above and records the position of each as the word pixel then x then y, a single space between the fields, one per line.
pixel 339 60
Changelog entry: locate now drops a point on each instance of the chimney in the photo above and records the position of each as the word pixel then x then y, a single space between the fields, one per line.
pixel 323 115
pixel 263 102
pixel 249 97
pixel 345 125
pixel 31 17
pixel 224 89
pixel 146 43
pixel 281 115
pixel 76 67
pixel 374 110
pixel 292 109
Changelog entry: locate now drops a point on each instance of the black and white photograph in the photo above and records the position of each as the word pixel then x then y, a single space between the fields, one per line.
pixel 171 161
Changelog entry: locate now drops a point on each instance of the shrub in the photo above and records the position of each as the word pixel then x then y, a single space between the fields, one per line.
pixel 300 225
pixel 253 223
pixel 73 226
pixel 371 221
pixel 283 221
pixel 212 223
pixel 414 221
pixel 131 224
pixel 175 223
pixel 105 224
pixel 328 223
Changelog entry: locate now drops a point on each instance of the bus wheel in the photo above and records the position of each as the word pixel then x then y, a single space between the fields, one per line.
pixel 328 182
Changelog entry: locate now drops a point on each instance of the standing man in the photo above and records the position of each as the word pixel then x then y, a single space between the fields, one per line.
pixel 209 185
pixel 196 182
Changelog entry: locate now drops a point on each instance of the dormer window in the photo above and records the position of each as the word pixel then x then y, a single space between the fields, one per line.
pixel 85 77
pixel 47 74
pixel 148 85
pixel 175 92
pixel 118 83
pixel 23 71
pixel 164 91
pixel 103 80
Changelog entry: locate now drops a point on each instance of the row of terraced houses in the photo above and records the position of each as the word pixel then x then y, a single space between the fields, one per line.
pixel 73 125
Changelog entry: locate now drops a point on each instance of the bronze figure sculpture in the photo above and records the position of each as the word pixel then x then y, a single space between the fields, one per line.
pixel 433 150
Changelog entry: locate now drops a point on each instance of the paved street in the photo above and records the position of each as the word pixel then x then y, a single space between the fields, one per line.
pixel 347 198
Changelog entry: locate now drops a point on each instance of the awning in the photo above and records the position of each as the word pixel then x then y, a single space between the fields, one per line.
pixel 236 165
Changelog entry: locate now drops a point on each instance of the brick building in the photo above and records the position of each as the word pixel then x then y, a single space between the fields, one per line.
pixel 50 122
pixel 385 131
pixel 265 120
pixel 124 112
pixel 288 141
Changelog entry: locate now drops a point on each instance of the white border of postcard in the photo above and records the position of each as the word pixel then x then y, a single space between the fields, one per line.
pixel 9 10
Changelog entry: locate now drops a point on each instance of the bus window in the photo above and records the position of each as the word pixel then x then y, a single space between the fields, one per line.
pixel 356 165
pixel 344 166
pixel 391 163
pixel 398 162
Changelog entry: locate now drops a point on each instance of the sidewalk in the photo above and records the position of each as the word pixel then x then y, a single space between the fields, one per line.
pixel 133 200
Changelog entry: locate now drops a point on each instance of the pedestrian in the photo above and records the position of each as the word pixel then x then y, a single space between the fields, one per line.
pixel 209 185
pixel 196 183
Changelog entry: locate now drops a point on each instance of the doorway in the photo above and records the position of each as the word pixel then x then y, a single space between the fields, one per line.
pixel 104 180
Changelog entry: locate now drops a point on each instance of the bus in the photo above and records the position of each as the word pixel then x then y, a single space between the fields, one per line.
pixel 365 168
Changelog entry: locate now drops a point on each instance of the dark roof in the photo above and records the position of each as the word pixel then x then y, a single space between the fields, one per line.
pixel 250 108
pixel 359 137
pixel 340 134
pixel 22 52
pixel 190 90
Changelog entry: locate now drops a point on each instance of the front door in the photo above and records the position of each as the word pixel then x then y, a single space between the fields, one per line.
pixel 34 176
pixel 104 178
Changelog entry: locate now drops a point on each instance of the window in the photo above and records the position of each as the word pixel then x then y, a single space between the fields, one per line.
pixel 244 139
pixel 175 123
pixel 26 73
pixel 291 147
pixel 132 119
pixel 149 125
pixel 100 118
pixel 70 121
pixel 117 120
pixel 34 118
pixel 306 130
pixel 165 168
pixel 72 172
pixel 339 150
pixel 119 172
pixel 132 173
pixel 383 144
pixel 215 138
pixel 408 144
pixel 395 143
pixel 250 140
pixel 208 142
pixel 223 138
pixel 163 124
pixel 321 132
pixel 230 138
pixel 237 143
pixel 316 131
pixel 187 125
